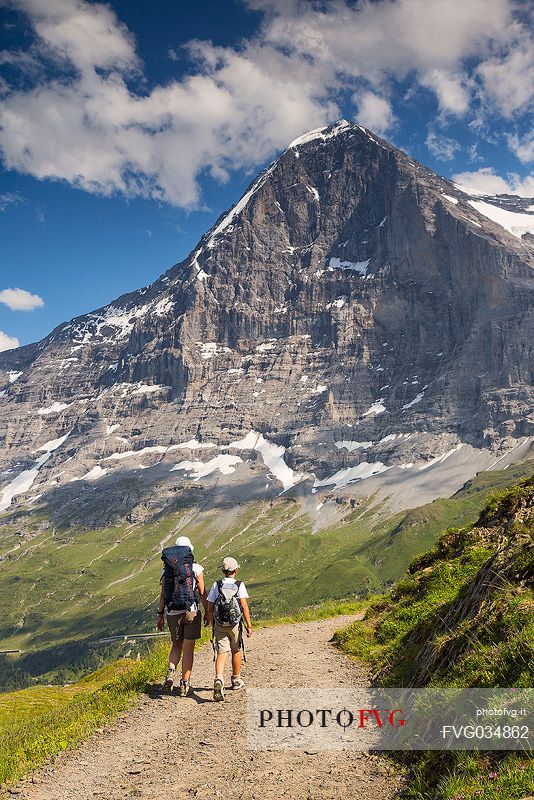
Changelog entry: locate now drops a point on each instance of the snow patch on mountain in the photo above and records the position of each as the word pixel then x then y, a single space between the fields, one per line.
pixel 417 399
pixel 355 266
pixel 225 464
pixel 24 481
pixel 266 346
pixel 343 477
pixel 516 223
pixel 93 474
pixel 239 206
pixel 377 407
pixel 210 349
pixel 442 458
pixel 272 456
pixel 55 408
pixel 192 444
pixel 144 388
pixel 321 134
pixel 350 446
pixel 339 303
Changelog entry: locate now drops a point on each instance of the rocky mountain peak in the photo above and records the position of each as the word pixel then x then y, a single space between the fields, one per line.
pixel 352 322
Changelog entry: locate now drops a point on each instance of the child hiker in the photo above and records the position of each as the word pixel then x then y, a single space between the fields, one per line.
pixel 227 608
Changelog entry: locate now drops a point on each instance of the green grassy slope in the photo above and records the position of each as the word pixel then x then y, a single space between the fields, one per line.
pixel 462 616
pixel 61 589
pixel 38 722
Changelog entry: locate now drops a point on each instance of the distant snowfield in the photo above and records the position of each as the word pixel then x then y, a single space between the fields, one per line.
pixel 417 399
pixel 377 408
pixel 192 444
pixel 55 408
pixel 394 483
pixel 119 318
pixel 350 446
pixel 345 476
pixel 24 481
pixel 93 474
pixel 442 458
pixel 272 455
pixel 355 266
pixel 514 222
pixel 223 463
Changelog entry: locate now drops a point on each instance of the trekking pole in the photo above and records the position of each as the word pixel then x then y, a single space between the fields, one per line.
pixel 242 641
pixel 213 641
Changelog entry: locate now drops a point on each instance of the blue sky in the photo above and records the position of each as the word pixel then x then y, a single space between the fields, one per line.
pixel 128 127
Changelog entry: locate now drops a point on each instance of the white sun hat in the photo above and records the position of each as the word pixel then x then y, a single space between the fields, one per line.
pixel 229 564
pixel 184 541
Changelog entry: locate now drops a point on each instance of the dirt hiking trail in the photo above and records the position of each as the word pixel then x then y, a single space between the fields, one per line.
pixel 168 748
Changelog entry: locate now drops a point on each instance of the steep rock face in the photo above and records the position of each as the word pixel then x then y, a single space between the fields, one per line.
pixel 354 308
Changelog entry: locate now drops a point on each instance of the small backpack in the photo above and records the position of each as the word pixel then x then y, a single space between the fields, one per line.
pixel 179 582
pixel 227 606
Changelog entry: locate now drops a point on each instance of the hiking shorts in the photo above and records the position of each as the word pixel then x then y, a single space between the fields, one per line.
pixel 180 629
pixel 227 638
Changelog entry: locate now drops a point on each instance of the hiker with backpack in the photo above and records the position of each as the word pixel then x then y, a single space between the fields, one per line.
pixel 182 591
pixel 228 611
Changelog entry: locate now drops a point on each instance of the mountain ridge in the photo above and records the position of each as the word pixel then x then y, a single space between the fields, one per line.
pixel 350 287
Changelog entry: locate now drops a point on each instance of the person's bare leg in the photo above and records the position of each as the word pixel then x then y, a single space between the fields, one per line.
pixel 175 655
pixel 187 660
pixel 174 660
pixel 236 664
pixel 218 684
pixel 220 664
pixel 237 683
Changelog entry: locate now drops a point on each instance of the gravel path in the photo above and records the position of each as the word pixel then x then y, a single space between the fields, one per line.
pixel 167 748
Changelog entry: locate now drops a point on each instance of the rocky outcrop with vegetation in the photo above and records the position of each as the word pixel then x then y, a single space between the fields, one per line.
pixel 462 616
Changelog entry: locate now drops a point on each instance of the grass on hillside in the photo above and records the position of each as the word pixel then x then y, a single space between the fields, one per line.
pixel 86 584
pixel 461 616
pixel 38 722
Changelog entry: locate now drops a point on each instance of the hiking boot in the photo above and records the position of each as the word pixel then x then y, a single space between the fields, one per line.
pixel 169 681
pixel 184 688
pixel 218 689
pixel 237 683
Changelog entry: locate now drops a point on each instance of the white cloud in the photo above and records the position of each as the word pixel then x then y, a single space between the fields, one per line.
pixel 374 112
pixel 90 118
pixel 20 299
pixel 523 147
pixel 90 129
pixel 452 91
pixel 441 146
pixel 509 79
pixel 7 342
pixel 10 199
pixel 84 34
pixel 486 181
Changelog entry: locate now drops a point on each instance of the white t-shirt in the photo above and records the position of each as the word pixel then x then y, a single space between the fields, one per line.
pixel 197 570
pixel 214 591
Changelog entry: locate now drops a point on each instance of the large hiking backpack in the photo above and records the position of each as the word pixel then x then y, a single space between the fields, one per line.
pixel 227 606
pixel 179 582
